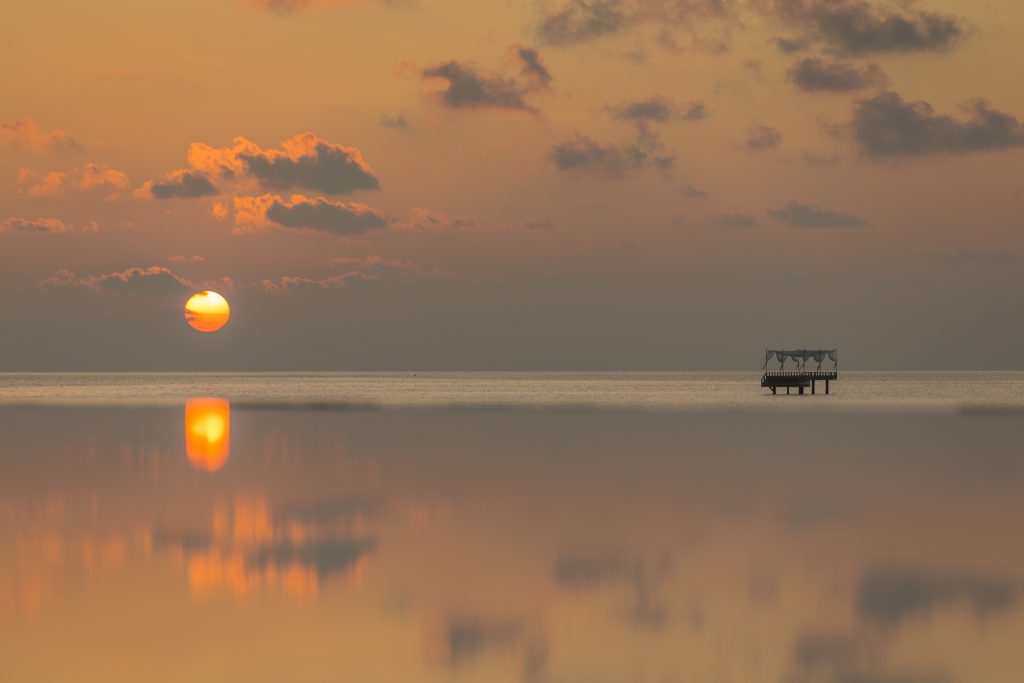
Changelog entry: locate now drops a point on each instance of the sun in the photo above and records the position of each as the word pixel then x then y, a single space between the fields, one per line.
pixel 207 311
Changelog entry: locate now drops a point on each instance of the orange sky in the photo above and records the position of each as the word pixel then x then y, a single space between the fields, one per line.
pixel 564 184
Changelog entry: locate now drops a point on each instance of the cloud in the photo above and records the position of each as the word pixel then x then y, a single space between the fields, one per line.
pixel 196 258
pixel 181 184
pixel 372 264
pixel 308 161
pixel 889 596
pixel 887 126
pixel 762 137
pixel 468 86
pixel 366 273
pixel 800 215
pixel 658 109
pixel 35 184
pixel 532 69
pixel 578 21
pixel 284 7
pixel 304 161
pixel 394 121
pixel 34 225
pixel 859 27
pixel 812 74
pixel 790 45
pixel 259 212
pixel 430 220
pixel 737 220
pixel 25 135
pixel 100 176
pixel 691 192
pixel 52 184
pixel 583 154
pixel 324 215
pixel 152 280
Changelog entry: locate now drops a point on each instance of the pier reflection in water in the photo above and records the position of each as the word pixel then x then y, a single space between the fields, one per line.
pixel 508 546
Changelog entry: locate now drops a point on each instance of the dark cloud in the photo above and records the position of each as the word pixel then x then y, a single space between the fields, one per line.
pixel 737 220
pixel 152 280
pixel 806 216
pixel 470 87
pixel 182 184
pixel 394 121
pixel 790 45
pixel 889 596
pixel 313 163
pixel 532 68
pixel 324 215
pixel 579 21
pixel 692 192
pixel 858 27
pixel 888 126
pixel 583 154
pixel 762 137
pixel 658 109
pixel 812 74
pixel 34 225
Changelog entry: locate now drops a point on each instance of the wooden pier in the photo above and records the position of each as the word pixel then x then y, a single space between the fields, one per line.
pixel 800 378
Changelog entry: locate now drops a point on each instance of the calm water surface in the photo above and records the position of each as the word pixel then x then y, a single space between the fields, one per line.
pixel 669 390
pixel 216 539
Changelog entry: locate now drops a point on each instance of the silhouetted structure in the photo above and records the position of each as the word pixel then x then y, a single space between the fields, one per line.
pixel 799 377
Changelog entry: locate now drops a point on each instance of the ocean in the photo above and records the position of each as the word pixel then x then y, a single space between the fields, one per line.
pixel 527 527
pixel 878 391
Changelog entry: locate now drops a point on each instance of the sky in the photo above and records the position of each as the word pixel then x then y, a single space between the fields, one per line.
pixel 515 185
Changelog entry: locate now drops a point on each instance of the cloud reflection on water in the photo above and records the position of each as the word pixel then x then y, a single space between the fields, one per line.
pixel 511 546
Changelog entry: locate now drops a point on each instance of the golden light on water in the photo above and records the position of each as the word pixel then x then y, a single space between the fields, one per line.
pixel 207 311
pixel 207 433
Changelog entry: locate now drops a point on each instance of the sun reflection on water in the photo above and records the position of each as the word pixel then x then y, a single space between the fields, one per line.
pixel 207 433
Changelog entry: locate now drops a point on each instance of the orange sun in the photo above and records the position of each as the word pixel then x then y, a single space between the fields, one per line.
pixel 207 311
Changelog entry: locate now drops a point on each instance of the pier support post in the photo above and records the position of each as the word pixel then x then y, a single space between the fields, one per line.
pixel 801 391
pixel 773 391
pixel 787 391
pixel 826 387
pixel 813 388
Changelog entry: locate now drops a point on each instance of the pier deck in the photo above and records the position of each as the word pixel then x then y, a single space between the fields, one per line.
pixel 798 379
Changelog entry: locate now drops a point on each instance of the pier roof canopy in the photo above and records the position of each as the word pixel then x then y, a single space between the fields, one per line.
pixel 801 356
